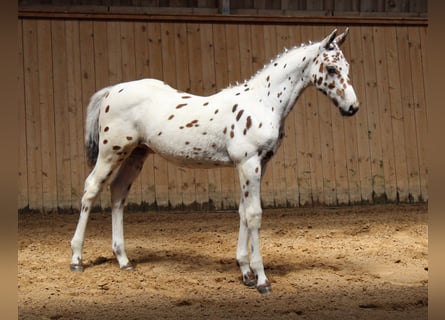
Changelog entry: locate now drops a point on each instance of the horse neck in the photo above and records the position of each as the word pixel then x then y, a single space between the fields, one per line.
pixel 279 83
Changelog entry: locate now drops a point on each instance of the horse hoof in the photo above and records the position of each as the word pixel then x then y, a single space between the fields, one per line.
pixel 265 289
pixel 127 267
pixel 249 279
pixel 75 267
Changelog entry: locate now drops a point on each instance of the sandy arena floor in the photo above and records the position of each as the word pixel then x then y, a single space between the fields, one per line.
pixel 368 262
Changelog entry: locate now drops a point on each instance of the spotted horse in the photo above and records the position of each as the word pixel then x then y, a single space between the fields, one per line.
pixel 241 126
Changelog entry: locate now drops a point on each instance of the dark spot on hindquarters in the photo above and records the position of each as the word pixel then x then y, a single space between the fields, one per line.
pixel 285 65
pixel 244 131
pixel 216 111
pixel 187 142
pixel 240 113
pixel 304 58
pixel 268 93
pixel 237 94
pixel 179 106
pixel 160 132
pixel 275 64
pixel 204 133
pixel 248 122
pixel 186 97
pixel 247 182
pixel 257 169
pixel 232 134
pixel 246 194
pixel 121 90
pixel 214 146
pixel 268 78
pixel 320 80
pixel 232 126
pixel 181 127
pixel 171 117
pixel 268 86
pixel 247 89
pixel 106 129
pixel 116 147
pixel 107 108
pixel 234 107
pixel 205 104
pixel 245 154
pixel 260 125
pixel 197 149
pixel 105 141
pixel 225 130
pixel 129 138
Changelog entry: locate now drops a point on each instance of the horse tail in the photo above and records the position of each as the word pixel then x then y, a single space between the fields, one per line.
pixel 92 126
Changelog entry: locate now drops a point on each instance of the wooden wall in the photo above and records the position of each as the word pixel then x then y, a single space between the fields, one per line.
pixel 378 155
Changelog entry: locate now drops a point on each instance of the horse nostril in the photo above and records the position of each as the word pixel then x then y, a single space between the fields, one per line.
pixel 352 110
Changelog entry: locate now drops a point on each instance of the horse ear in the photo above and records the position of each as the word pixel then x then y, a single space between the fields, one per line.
pixel 327 41
pixel 341 38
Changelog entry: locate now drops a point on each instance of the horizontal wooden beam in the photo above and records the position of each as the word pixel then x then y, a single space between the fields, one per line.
pixel 223 18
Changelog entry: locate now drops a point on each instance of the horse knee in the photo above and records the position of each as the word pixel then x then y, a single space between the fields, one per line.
pixel 254 219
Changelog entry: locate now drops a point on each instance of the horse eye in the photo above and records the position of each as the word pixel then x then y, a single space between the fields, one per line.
pixel 331 70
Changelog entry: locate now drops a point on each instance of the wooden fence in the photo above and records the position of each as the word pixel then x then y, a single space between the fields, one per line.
pixel 377 155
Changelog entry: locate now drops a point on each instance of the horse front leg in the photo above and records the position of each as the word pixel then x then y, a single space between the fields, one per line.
pixel 250 225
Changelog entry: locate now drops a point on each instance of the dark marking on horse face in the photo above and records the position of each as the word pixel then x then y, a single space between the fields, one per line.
pixel 321 68
pixel 179 106
pixel 105 141
pixel 240 113
pixel 107 108
pixel 331 85
pixel 234 107
pixel 116 147
pixel 171 117
pixel 320 80
pixel 129 138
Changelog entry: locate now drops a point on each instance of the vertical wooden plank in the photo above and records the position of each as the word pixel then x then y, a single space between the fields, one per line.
pixel 142 53
pixel 115 53
pixel 373 114
pixel 75 110
pixel 62 136
pixel 281 180
pixel 392 57
pixel 47 134
pixel 22 179
pixel 208 87
pixel 419 102
pixel 195 75
pixel 361 118
pixel 351 138
pixel 270 51
pixel 411 145
pixel 102 80
pixel 384 114
pixel 33 128
pixel 87 74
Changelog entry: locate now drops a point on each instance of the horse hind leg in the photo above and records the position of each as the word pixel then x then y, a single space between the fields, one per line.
pixel 120 186
pixel 93 185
